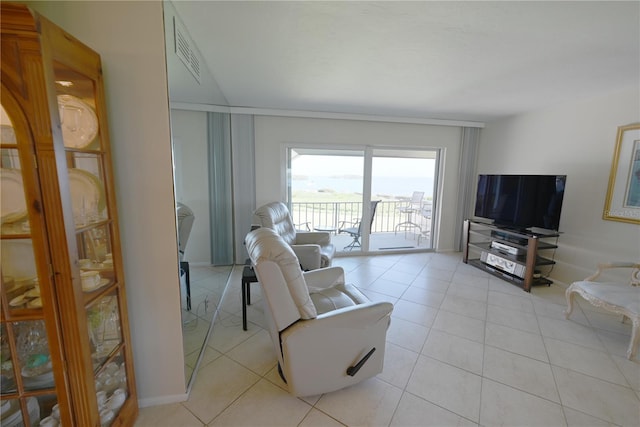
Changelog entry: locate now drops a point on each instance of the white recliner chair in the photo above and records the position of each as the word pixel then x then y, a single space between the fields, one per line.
pixel 327 335
pixel 185 223
pixel 313 248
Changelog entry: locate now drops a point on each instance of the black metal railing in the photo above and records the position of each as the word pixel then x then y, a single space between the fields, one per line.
pixel 337 215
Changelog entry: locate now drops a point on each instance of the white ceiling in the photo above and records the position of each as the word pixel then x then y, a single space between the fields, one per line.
pixel 441 60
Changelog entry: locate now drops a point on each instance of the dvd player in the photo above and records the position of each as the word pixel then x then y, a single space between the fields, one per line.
pixel 511 250
pixel 503 264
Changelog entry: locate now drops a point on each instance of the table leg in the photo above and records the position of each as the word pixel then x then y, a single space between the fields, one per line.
pixel 248 276
pixel 185 266
pixel 245 286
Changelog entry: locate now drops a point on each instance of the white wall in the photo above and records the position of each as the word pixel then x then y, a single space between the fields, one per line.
pixel 189 132
pixel 576 139
pixel 183 86
pixel 271 133
pixel 129 36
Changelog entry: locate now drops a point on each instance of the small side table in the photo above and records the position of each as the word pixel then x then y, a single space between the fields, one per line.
pixel 184 266
pixel 248 277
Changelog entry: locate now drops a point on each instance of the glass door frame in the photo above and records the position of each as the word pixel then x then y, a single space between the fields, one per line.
pixel 405 152
pixel 325 150
pixel 368 154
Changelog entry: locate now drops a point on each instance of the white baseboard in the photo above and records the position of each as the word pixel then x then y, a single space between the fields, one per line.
pixel 162 400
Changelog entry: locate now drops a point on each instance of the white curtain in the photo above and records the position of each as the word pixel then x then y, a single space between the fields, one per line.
pixel 467 179
pixel 244 181
pixel 220 188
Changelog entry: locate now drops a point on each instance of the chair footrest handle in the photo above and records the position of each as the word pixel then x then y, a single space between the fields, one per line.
pixel 352 370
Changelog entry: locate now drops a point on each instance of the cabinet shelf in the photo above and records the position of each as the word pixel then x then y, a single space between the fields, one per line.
pixel 520 267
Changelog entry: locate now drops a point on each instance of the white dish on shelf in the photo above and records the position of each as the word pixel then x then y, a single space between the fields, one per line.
pixel 5 407
pixel 117 399
pixel 39 381
pixel 18 301
pixel 35 303
pixel 98 266
pixel 87 193
pixel 43 378
pixel 78 120
pixel 13 205
pixel 33 293
pixel 14 417
pixel 102 283
pixel 49 422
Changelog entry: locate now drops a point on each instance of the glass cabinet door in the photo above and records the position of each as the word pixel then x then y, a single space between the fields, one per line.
pixel 86 150
pixel 27 381
pixel 65 357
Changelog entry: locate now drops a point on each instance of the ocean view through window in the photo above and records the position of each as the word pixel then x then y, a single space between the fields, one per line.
pixel 330 190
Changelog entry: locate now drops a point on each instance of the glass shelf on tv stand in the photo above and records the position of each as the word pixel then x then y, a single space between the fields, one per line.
pixel 479 236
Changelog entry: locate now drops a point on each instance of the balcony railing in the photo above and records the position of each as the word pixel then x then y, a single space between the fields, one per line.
pixel 336 215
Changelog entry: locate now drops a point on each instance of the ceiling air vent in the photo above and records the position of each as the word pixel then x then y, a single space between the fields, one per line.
pixel 185 49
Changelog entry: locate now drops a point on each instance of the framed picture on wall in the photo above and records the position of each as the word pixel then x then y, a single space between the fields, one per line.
pixel 623 194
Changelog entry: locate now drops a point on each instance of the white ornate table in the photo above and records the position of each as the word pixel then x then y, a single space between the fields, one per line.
pixel 618 298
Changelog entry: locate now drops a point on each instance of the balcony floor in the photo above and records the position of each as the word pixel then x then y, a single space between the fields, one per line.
pixel 402 240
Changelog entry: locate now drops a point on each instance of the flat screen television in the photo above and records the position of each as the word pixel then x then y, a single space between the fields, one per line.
pixel 521 201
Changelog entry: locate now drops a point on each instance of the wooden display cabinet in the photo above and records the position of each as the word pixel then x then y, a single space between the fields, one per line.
pixel 65 343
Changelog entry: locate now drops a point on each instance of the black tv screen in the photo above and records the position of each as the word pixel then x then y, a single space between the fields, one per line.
pixel 521 201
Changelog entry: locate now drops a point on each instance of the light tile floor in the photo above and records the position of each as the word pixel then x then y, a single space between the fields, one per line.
pixel 463 349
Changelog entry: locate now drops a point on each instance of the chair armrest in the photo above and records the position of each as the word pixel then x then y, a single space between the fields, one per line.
pixel 321 238
pixel 308 256
pixel 324 277
pixel 353 318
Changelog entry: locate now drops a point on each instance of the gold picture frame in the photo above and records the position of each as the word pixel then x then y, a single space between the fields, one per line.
pixel 623 194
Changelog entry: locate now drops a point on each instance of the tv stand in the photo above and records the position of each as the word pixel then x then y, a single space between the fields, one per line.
pixel 519 266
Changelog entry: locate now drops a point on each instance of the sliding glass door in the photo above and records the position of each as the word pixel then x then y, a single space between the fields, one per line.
pixel 370 200
pixel 404 183
pixel 325 193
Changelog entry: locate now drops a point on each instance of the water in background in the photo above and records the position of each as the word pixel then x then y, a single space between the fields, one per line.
pixel 383 186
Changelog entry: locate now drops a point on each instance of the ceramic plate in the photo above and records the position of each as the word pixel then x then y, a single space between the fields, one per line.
pixel 5 407
pixel 35 303
pixel 18 301
pixel 13 205
pixel 99 267
pixel 33 293
pixel 102 283
pixel 79 121
pixel 87 193
pixel 13 417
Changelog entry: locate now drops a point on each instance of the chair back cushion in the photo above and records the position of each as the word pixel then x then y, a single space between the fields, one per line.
pixel 264 244
pixel 185 222
pixel 275 215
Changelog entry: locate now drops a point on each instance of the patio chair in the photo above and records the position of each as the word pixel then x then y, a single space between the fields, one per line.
pixel 355 228
pixel 414 205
